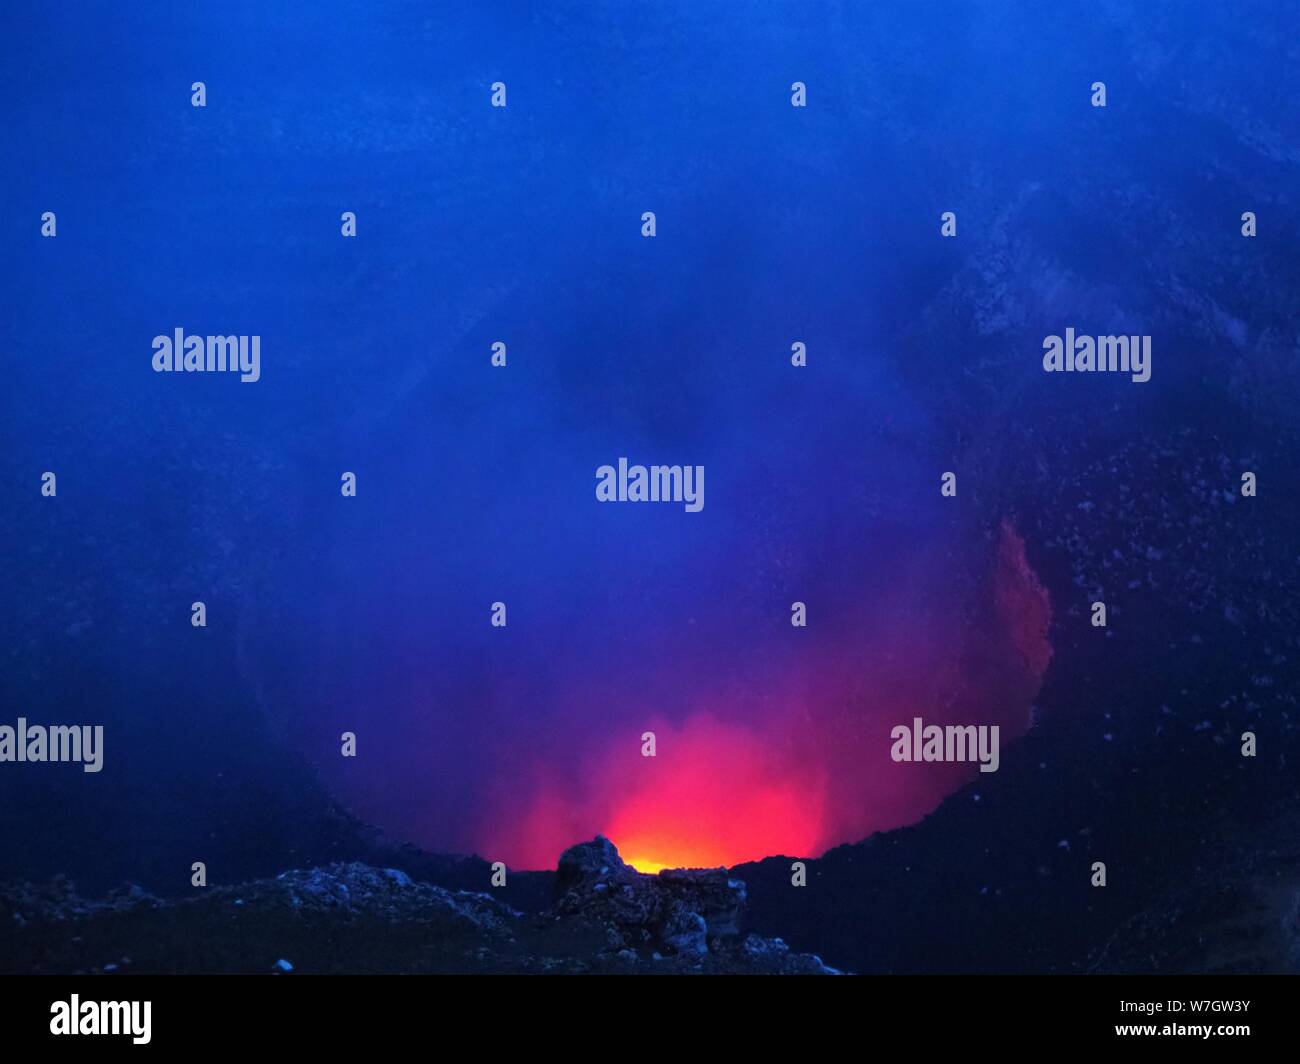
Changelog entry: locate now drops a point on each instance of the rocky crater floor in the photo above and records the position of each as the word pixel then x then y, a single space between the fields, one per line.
pixel 351 917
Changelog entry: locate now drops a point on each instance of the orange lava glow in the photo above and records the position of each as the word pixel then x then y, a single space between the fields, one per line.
pixel 797 759
pixel 641 864
pixel 714 797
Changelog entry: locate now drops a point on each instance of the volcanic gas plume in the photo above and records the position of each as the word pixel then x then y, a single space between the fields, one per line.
pixel 768 739
pixel 806 766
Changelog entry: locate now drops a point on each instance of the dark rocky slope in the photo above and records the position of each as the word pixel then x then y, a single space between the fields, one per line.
pixel 1135 757
pixel 607 918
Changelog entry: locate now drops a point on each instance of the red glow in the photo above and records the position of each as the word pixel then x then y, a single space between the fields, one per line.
pixel 793 758
pixel 714 796
pixel 1025 608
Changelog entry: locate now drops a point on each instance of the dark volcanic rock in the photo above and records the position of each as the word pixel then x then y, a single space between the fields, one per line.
pixel 591 866
pixel 1134 758
pixel 680 910
pixel 1241 915
pixel 352 917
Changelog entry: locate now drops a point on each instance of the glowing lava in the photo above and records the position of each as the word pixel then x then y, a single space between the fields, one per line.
pixel 716 796
pixel 649 867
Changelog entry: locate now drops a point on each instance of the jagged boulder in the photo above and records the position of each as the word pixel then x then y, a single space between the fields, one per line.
pixel 711 892
pixel 683 930
pixel 592 866
pixel 680 911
